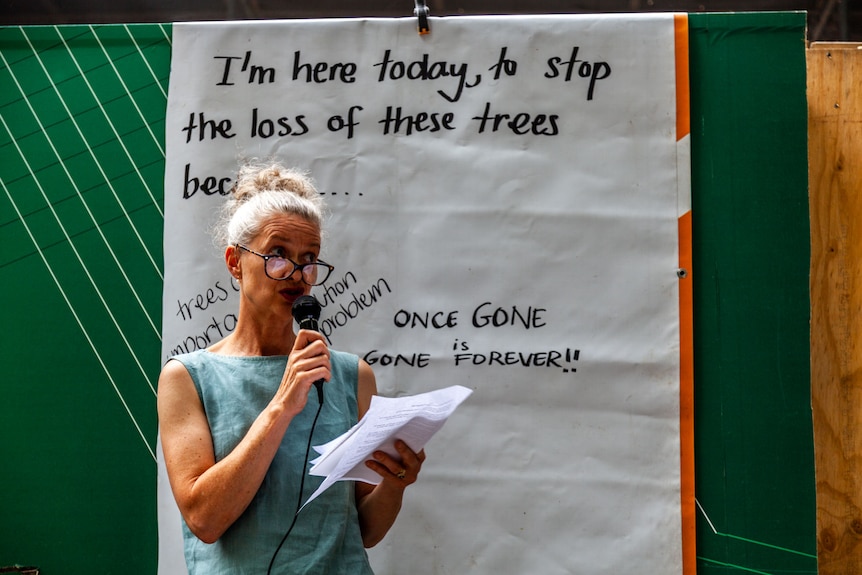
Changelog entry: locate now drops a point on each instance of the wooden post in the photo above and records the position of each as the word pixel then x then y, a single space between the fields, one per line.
pixel 835 188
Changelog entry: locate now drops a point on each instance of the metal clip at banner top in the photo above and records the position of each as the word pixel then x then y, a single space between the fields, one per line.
pixel 421 12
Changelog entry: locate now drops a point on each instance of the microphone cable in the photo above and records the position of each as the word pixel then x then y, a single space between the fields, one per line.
pixel 301 486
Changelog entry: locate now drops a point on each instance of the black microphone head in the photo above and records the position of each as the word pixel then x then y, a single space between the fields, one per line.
pixel 306 311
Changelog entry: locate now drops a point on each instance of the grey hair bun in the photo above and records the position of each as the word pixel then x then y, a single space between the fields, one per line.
pixel 262 190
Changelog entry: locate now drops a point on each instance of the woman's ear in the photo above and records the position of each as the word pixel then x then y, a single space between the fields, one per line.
pixel 231 259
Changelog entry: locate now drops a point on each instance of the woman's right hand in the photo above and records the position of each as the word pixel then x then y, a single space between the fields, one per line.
pixel 307 363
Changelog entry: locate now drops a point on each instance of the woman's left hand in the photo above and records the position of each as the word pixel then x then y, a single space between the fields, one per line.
pixel 394 472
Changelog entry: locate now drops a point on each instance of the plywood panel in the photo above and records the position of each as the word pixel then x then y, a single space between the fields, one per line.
pixel 835 179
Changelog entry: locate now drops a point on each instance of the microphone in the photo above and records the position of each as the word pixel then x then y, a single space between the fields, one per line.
pixel 306 312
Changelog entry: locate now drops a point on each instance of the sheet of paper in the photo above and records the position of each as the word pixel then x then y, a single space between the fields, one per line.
pixel 414 420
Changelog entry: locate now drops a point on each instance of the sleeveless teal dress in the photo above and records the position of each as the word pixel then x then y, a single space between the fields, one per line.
pixel 326 540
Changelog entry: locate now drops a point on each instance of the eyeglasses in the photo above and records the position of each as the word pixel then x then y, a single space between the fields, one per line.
pixel 281 268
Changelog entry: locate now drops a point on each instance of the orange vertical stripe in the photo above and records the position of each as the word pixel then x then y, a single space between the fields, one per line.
pixel 686 398
pixel 683 121
pixel 686 317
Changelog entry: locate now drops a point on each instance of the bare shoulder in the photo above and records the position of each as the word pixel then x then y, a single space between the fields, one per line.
pixel 367 387
pixel 172 369
pixel 177 396
pixel 173 378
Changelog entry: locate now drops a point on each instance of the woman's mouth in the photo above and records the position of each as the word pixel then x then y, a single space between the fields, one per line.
pixel 291 294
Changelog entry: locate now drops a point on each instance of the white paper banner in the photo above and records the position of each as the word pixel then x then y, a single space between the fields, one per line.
pixel 504 202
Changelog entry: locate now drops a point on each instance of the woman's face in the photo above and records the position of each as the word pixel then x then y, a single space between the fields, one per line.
pixel 289 236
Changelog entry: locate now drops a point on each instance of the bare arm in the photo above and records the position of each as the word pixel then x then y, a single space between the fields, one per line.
pixel 379 505
pixel 212 495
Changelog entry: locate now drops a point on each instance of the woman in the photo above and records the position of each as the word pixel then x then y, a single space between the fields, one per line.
pixel 236 419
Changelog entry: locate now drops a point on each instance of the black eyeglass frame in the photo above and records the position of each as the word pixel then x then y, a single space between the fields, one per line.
pixel 330 268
